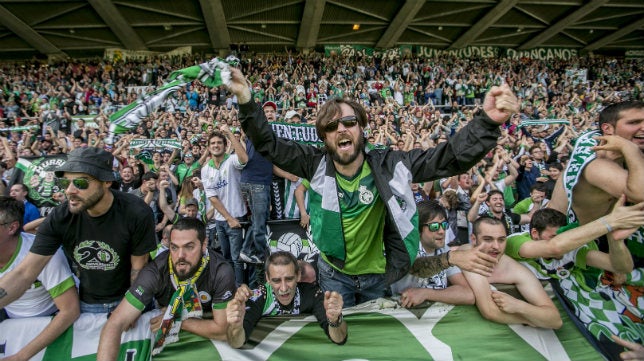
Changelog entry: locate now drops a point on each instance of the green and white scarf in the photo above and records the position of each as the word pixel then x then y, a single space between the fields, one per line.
pixel 273 308
pixel 155 144
pixel 185 303
pixel 531 122
pixel 19 129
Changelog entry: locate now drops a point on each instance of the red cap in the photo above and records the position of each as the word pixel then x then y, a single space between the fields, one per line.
pixel 270 104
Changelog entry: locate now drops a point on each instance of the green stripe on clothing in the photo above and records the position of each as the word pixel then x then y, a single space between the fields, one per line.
pixel 129 297
pixel 62 287
pixel 219 306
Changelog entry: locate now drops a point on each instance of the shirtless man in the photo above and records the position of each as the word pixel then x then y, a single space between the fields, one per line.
pixel 604 165
pixel 617 168
pixel 537 310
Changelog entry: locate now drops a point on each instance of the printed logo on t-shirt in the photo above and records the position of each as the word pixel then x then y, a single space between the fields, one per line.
pixel 96 255
pixel 204 296
pixel 366 197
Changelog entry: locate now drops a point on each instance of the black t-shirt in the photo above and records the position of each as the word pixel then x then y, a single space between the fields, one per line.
pixel 100 247
pixel 216 285
pixel 311 301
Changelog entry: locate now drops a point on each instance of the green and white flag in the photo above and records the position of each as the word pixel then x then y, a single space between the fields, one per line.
pixel 377 331
pixel 213 73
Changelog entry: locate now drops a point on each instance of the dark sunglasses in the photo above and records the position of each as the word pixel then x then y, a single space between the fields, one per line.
pixel 435 226
pixel 348 122
pixel 79 183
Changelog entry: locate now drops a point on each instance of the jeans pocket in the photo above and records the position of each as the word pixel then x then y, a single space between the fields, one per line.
pixel 257 188
pixel 325 269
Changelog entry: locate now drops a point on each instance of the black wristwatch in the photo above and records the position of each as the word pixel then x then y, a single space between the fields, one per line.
pixel 337 323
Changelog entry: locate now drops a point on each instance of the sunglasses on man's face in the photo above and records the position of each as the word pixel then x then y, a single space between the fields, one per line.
pixel 80 183
pixel 435 226
pixel 348 122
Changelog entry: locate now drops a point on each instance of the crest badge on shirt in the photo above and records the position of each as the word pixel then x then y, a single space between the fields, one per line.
pixel 366 196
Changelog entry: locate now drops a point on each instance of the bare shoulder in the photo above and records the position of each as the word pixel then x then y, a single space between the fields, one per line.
pixel 505 271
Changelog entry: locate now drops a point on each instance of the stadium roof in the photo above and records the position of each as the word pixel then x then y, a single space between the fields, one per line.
pixel 81 28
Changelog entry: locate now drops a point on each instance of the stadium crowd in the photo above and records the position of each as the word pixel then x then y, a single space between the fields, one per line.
pixel 410 104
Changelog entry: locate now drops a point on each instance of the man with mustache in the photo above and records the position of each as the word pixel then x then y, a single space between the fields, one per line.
pixel 106 233
pixel 185 272
pixel 363 214
pixel 283 294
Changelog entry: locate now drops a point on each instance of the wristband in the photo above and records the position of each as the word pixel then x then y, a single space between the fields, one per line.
pixel 335 324
pixel 608 227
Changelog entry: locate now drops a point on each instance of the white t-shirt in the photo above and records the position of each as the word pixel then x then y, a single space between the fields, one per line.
pixel 53 280
pixel 225 183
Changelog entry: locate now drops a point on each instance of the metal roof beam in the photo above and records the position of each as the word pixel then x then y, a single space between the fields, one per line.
pixel 489 19
pixel 560 25
pixel 400 23
pixel 28 34
pixel 213 13
pixel 117 23
pixel 310 28
pixel 616 35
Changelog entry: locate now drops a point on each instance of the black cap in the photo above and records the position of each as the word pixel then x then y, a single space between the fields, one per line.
pixel 92 161
pixel 191 202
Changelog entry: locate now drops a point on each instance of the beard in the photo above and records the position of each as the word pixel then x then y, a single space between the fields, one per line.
pixel 184 275
pixel 86 203
pixel 346 159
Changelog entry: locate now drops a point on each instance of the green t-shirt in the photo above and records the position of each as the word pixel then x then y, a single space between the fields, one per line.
pixel 363 219
pixel 570 264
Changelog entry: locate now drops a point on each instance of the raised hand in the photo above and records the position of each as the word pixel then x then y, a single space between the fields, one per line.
pixel 500 103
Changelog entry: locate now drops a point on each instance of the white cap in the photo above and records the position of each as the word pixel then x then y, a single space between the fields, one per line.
pixel 291 113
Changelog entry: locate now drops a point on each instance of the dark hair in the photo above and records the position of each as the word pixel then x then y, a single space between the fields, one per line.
pixel 282 258
pixel 476 226
pixel 547 217
pixel 536 146
pixel 428 210
pixel 610 114
pixel 217 134
pixel 185 224
pixel 332 109
pixel 493 192
pixel 11 210
pixel 22 186
pixel 538 187
pixel 555 165
pixel 149 175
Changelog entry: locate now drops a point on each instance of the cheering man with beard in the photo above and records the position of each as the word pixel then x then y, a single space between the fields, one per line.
pixel 363 214
pixel 106 234
pixel 186 281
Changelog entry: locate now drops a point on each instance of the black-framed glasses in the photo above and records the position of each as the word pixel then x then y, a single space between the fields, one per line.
pixel 7 223
pixel 435 226
pixel 80 183
pixel 348 122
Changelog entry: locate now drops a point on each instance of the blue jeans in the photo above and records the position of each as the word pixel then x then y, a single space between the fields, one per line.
pixel 354 289
pixel 98 307
pixel 258 198
pixel 230 240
